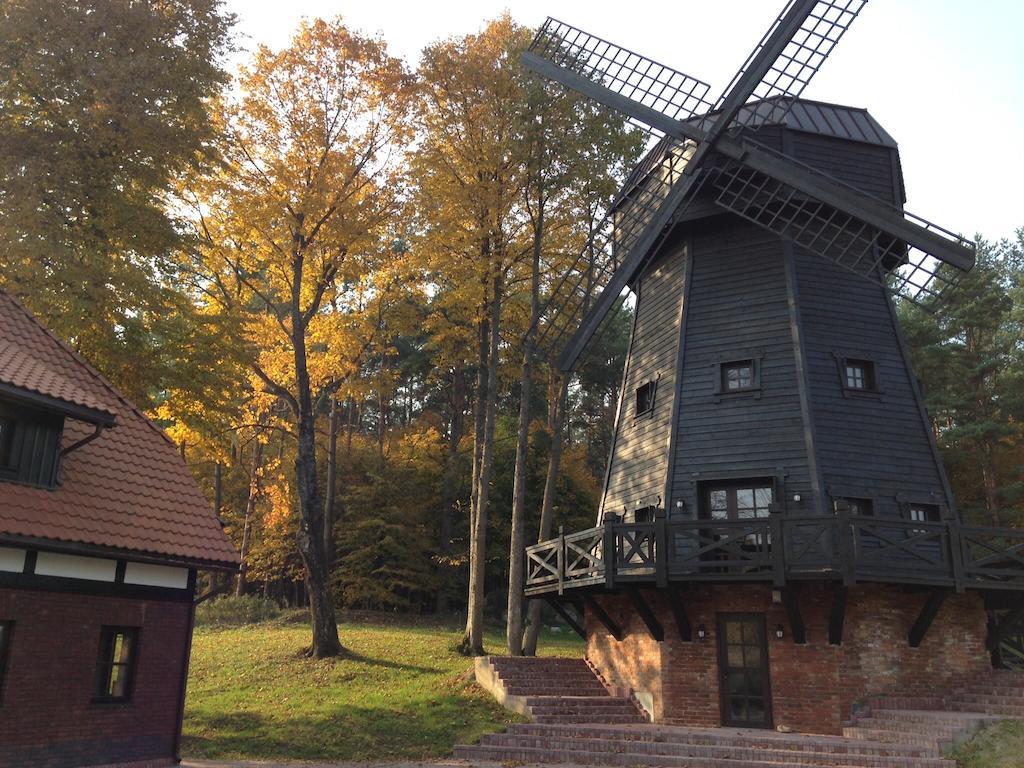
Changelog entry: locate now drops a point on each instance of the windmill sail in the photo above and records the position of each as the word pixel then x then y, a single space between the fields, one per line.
pixel 798 61
pixel 909 262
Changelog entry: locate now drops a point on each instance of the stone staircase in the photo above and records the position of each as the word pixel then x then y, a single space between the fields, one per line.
pixel 554 690
pixel 679 747
pixel 937 721
pixel 578 721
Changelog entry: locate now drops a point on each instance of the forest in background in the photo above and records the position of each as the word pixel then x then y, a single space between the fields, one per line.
pixel 321 273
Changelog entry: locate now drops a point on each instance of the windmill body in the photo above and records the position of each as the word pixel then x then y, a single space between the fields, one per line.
pixel 777 539
pixel 721 296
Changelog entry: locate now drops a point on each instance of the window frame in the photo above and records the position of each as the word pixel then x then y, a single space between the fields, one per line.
pixel 849 497
pixel 733 484
pixel 724 364
pixel 8 468
pixel 871 386
pixel 105 665
pixel 6 635
pixel 652 386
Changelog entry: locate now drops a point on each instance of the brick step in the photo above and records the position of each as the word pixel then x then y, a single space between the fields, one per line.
pixel 933 727
pixel 906 702
pixel 714 751
pixel 519 674
pixel 918 716
pixel 577 702
pixel 724 736
pixel 532 663
pixel 593 718
pixel 1002 710
pixel 585 757
pixel 934 741
pixel 986 686
pixel 554 690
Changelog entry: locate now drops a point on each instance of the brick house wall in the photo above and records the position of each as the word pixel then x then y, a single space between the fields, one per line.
pixel 46 718
pixel 813 686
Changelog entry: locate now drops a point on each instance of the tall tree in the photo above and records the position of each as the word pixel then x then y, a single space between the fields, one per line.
pixel 104 106
pixel 297 239
pixel 969 356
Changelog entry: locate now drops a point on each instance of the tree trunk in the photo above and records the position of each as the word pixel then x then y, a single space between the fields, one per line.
pixel 310 536
pixel 332 479
pixel 556 426
pixel 451 471
pixel 473 640
pixel 517 544
pixel 250 510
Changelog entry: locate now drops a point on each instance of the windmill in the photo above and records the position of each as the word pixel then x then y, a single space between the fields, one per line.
pixel 771 459
pixel 705 142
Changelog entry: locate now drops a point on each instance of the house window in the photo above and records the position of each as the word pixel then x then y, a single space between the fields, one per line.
pixel 738 501
pixel 115 666
pixel 858 375
pixel 6 630
pixel 645 398
pixel 923 513
pixel 858 507
pixel 739 376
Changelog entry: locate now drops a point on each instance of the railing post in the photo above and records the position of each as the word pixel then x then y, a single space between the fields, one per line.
pixel 660 548
pixel 560 558
pixel 956 554
pixel 608 555
pixel 778 547
pixel 847 548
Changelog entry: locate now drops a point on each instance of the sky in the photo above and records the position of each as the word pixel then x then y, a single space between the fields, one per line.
pixel 944 77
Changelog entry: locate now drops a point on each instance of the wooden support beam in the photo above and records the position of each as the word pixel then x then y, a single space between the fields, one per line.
pixel 837 618
pixel 642 608
pixel 567 617
pixel 796 619
pixel 1011 621
pixel 675 602
pixel 609 623
pixel 925 618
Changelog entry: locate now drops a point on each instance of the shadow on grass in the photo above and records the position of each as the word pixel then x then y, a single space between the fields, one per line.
pixel 417 729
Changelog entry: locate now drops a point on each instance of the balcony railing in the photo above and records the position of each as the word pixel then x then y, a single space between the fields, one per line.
pixel 778 549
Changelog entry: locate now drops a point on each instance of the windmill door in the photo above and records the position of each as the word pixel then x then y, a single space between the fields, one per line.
pixel 743 670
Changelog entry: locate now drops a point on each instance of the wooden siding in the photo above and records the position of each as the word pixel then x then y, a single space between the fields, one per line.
pixel 873 446
pixel 636 473
pixel 738 310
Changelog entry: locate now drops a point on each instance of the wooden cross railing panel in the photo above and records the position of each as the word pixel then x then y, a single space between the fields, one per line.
pixel 778 548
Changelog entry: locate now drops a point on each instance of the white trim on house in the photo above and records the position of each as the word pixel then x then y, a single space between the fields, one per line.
pixel 150 575
pixel 75 567
pixel 12 560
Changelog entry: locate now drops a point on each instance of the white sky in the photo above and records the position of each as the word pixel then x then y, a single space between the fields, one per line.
pixel 944 77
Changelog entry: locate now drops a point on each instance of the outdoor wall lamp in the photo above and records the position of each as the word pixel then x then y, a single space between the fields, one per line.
pixel 779 632
pixel 701 632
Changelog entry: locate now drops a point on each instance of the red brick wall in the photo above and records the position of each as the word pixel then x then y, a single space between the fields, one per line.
pixel 46 718
pixel 813 686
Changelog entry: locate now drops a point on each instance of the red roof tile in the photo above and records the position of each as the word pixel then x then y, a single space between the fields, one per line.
pixel 21 370
pixel 127 490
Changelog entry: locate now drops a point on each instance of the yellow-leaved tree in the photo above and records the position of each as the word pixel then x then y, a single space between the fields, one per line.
pixel 297 235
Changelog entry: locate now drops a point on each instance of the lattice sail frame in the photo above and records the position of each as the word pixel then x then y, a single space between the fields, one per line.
pixel 865 249
pixel 855 245
pixel 798 62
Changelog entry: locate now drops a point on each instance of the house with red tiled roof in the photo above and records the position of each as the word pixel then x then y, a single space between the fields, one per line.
pixel 102 532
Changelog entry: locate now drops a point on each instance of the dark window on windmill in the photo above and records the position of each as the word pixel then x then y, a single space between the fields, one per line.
pixel 923 513
pixel 858 375
pixel 115 665
pixel 739 376
pixel 858 507
pixel 645 398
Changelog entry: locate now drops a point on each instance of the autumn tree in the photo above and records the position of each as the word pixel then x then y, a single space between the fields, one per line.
pixel 468 174
pixel 104 107
pixel 296 239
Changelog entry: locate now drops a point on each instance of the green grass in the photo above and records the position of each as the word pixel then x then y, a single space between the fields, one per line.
pixel 408 694
pixel 1000 745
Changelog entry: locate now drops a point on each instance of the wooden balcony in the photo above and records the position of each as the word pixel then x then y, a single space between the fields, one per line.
pixel 778 550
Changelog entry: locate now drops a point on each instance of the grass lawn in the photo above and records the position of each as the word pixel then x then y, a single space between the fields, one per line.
pixel 1000 745
pixel 409 694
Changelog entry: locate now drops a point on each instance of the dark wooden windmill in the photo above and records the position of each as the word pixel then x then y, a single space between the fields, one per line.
pixel 771 451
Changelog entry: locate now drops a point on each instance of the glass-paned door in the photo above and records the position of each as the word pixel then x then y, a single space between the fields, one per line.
pixel 743 670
